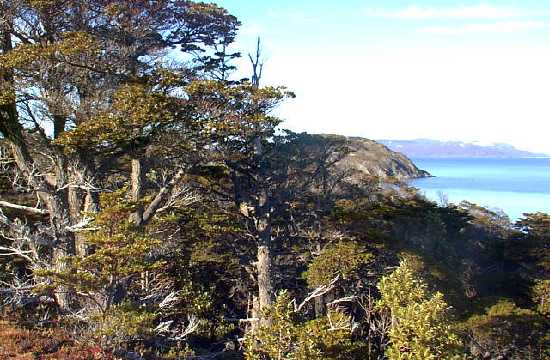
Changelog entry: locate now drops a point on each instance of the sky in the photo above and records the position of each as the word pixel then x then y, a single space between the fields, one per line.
pixel 392 69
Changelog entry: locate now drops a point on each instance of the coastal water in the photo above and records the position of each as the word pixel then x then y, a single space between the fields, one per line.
pixel 515 186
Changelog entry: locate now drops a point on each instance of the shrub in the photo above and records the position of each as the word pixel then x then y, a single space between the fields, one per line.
pixel 287 338
pixel 541 296
pixel 509 331
pixel 420 328
pixel 344 258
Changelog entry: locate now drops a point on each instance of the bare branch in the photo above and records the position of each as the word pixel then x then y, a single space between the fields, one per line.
pixel 342 300
pixel 180 198
pixel 16 252
pixel 161 197
pixel 320 291
pixel 29 209
pixel 81 226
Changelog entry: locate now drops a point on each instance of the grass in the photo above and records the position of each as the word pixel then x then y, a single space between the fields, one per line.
pixel 43 344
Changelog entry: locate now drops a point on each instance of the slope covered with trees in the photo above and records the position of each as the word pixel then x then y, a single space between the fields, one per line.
pixel 151 207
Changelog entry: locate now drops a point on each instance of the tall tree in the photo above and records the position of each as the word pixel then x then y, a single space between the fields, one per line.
pixel 87 86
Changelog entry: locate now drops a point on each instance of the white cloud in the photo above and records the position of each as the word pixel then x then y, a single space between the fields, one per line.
pixel 494 27
pixel 463 12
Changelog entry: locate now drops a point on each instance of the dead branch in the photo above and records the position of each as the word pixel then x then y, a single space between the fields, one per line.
pixel 346 299
pixel 320 291
pixel 161 197
pixel 28 209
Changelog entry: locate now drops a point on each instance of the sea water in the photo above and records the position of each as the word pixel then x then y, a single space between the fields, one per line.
pixel 516 186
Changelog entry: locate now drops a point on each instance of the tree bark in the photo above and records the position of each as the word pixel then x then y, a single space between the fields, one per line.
pixel 265 283
pixel 262 209
pixel 136 191
pixel 82 201
pixel 55 201
pixel 263 231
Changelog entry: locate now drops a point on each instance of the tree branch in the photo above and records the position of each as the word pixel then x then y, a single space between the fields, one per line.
pixel 320 291
pixel 161 197
pixel 28 209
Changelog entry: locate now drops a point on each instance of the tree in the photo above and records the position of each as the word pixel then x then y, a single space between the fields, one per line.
pixel 120 254
pixel 82 83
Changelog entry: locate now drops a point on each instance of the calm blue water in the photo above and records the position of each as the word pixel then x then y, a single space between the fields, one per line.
pixel 516 186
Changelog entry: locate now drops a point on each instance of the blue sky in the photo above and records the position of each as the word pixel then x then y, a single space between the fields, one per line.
pixel 449 70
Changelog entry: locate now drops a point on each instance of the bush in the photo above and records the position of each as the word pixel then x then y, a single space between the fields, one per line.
pixel 344 258
pixel 17 343
pixel 541 296
pixel 420 327
pixel 122 324
pixel 509 331
pixel 287 338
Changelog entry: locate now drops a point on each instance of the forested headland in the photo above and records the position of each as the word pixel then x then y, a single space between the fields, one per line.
pixel 153 207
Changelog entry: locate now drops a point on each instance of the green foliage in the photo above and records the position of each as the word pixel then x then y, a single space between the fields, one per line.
pixel 332 337
pixel 344 258
pixel 137 113
pixel 541 296
pixel 420 325
pixel 72 44
pixel 507 330
pixel 282 338
pixel 119 251
pixel 536 224
pixel 536 228
pixel 287 338
pixel 121 324
pixel 237 113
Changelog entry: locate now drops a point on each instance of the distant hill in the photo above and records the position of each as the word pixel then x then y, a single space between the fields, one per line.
pixel 423 148
pixel 372 158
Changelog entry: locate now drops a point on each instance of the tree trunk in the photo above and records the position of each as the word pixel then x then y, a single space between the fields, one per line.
pixel 55 201
pixel 264 264
pixel 136 190
pixel 265 281
pixel 64 245
pixel 82 202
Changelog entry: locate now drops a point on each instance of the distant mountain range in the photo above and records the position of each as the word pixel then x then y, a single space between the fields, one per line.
pixel 425 148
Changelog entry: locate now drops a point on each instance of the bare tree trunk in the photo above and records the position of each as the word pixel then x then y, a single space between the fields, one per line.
pixel 319 304
pixel 136 190
pixel 64 247
pixel 82 202
pixel 55 201
pixel 262 210
pixel 263 231
pixel 265 283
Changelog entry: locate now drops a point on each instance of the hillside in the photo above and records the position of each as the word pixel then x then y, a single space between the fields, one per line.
pixel 441 149
pixel 373 158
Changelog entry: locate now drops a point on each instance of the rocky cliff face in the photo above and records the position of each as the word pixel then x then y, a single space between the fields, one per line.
pixel 372 158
